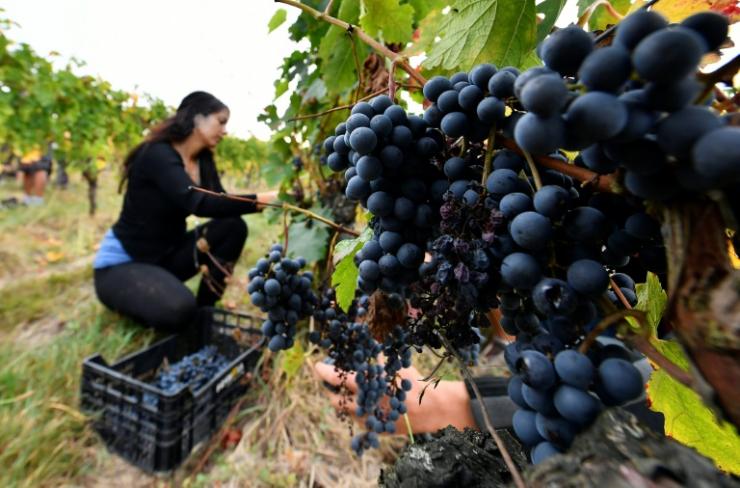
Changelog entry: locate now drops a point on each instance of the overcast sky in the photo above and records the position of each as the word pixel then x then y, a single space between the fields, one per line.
pixel 169 48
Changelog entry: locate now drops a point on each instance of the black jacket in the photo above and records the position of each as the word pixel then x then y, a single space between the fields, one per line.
pixel 158 200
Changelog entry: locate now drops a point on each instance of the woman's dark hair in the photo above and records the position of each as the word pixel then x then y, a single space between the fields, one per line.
pixel 177 127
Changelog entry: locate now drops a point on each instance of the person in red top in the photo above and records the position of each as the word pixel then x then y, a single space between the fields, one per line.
pixel 148 254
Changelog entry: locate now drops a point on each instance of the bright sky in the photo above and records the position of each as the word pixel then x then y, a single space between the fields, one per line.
pixel 168 48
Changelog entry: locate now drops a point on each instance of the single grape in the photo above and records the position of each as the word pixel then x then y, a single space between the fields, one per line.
pixel 711 26
pixel 636 26
pixel 620 379
pixel 520 271
pixel 668 54
pixel 525 428
pixel 531 230
pixel 565 49
pixel 435 86
pixel 576 405
pixel 574 368
pixel 588 277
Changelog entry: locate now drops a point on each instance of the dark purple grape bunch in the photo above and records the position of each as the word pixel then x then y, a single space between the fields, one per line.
pixel 470 104
pixel 388 159
pixel 351 347
pixel 633 105
pixel 278 287
pixel 561 391
pixel 376 381
pixel 192 371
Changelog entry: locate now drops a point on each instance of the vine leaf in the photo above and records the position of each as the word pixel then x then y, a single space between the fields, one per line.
pixel 479 31
pixel 388 17
pixel 349 246
pixel 652 299
pixel 551 10
pixel 277 19
pixel 335 51
pixel 292 360
pixel 423 7
pixel 344 277
pixel 687 419
pixel 308 239
pixel 677 10
pixel 426 32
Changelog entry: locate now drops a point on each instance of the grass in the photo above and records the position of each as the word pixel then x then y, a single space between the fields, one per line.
pixel 43 437
pixel 291 434
pixel 46 275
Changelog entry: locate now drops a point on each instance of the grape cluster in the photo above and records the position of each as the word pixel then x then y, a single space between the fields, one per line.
pixel 192 371
pixel 629 106
pixel 561 391
pixel 387 159
pixel 277 287
pixel 469 104
pixel 351 347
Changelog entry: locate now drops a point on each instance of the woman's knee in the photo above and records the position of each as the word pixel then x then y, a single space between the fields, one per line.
pixel 176 314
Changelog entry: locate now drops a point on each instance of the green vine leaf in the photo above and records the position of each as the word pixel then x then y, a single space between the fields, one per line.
pixel 551 10
pixel 344 277
pixel 652 299
pixel 479 31
pixel 308 239
pixel 335 51
pixel 423 7
pixel 389 18
pixel 277 19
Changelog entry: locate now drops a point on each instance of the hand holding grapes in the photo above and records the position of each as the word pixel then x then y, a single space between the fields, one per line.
pixel 447 404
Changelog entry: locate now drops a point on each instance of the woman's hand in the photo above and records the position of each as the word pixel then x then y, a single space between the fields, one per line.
pixel 266 197
pixel 447 404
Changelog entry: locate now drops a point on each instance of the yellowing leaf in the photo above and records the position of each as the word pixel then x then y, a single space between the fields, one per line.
pixel 677 10
pixel 54 256
pixel 734 258
pixel 292 359
pixel 601 17
pixel 480 31
pixel 688 420
pixel 387 18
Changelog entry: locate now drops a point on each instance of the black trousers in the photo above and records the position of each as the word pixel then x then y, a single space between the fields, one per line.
pixel 154 295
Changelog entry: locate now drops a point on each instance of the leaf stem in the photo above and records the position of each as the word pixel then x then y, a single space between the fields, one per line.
pixel 730 68
pixel 533 168
pixel 392 81
pixel 408 428
pixel 335 109
pixel 282 205
pixel 358 67
pixel 515 474
pixel 362 35
pixel 588 13
pixel 604 183
pixel 643 345
pixel 489 155
pixel 607 322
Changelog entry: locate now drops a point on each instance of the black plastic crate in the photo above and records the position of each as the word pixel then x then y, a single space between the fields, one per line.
pixel 155 430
